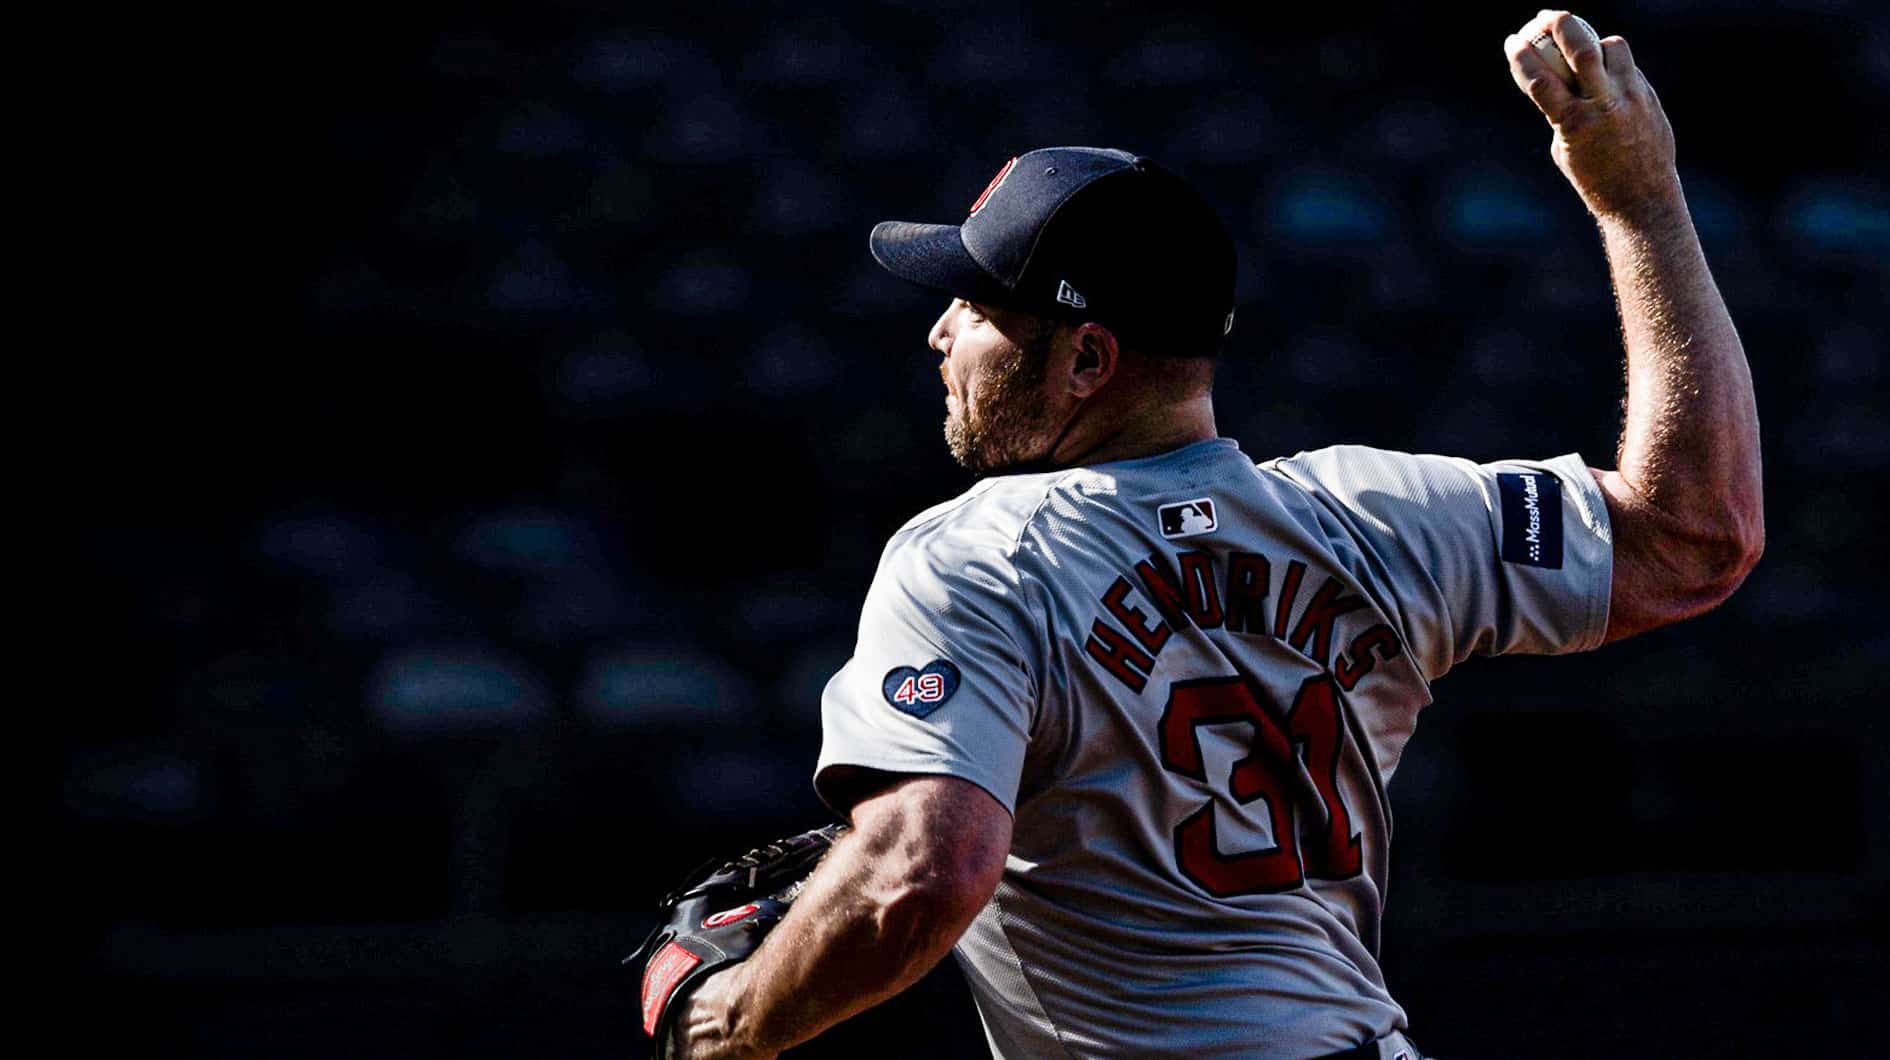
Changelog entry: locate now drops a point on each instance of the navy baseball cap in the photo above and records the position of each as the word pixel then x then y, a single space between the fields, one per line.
pixel 1083 233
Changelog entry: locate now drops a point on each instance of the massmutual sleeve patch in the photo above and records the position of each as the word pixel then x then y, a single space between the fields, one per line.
pixel 1532 518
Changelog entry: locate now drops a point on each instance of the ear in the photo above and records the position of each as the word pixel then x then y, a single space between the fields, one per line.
pixel 1097 356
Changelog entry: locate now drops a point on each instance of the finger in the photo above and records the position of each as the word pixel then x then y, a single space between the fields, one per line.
pixel 1617 57
pixel 1551 56
pixel 1543 86
pixel 1539 24
pixel 1646 90
pixel 1582 49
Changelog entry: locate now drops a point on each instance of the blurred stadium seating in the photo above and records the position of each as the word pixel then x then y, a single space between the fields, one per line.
pixel 482 574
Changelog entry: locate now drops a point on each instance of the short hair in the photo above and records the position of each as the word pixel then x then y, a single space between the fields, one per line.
pixel 1172 376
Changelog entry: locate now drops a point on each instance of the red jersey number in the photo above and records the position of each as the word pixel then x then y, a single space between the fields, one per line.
pixel 1314 724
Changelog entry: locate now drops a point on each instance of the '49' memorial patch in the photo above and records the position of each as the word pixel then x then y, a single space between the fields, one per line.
pixel 920 692
pixel 1532 518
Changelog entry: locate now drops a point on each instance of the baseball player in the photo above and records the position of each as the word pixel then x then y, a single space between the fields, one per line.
pixel 1120 718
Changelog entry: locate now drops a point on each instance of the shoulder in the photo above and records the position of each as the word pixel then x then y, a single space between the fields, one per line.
pixel 1341 465
pixel 967 549
pixel 988 520
pixel 1360 477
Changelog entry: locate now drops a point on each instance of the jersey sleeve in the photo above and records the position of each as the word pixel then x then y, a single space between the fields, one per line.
pixel 1483 559
pixel 940 682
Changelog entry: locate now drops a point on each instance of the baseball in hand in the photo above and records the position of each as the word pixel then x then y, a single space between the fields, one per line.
pixel 1544 42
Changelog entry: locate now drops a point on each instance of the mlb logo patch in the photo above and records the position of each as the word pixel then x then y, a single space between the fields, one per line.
pixel 1187 518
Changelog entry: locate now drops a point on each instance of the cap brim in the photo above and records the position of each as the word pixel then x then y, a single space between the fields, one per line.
pixel 933 257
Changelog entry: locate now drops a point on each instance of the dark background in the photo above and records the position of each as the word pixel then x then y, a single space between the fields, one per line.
pixel 483 422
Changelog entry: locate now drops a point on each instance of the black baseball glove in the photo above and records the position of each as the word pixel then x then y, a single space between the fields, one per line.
pixel 717 917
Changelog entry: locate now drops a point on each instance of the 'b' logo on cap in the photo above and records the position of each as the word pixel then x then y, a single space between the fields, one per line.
pixel 993 186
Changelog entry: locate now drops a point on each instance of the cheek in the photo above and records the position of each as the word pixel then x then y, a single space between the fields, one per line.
pixel 970 385
pixel 957 374
pixel 970 372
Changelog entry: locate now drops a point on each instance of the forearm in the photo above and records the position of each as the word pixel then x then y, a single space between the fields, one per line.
pixel 1685 506
pixel 1690 443
pixel 851 941
pixel 924 856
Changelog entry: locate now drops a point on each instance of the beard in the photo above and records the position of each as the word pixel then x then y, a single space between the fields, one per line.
pixel 1006 425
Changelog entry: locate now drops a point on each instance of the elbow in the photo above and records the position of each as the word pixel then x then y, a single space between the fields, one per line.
pixel 1671 565
pixel 1724 540
pixel 1728 555
pixel 1745 546
pixel 1680 573
pixel 1751 549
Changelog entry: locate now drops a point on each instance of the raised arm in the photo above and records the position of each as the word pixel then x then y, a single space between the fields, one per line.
pixel 1686 503
pixel 923 858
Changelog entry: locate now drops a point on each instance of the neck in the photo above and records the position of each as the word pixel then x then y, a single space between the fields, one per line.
pixel 1099 434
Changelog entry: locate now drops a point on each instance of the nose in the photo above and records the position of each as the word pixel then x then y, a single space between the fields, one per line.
pixel 940 338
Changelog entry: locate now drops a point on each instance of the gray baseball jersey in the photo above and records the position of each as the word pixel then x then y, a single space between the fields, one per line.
pixel 1189 678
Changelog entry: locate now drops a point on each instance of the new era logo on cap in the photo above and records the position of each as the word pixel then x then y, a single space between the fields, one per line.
pixel 1068 296
pixel 1187 518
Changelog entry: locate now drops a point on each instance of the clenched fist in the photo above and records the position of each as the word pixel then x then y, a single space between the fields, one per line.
pixel 1612 139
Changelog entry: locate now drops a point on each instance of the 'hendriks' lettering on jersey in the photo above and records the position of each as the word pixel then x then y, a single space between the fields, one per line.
pixel 1193 599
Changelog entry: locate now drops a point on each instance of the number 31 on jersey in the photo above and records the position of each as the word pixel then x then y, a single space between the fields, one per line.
pixel 1316 724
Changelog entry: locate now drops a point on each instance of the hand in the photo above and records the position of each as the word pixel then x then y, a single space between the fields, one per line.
pixel 1612 139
